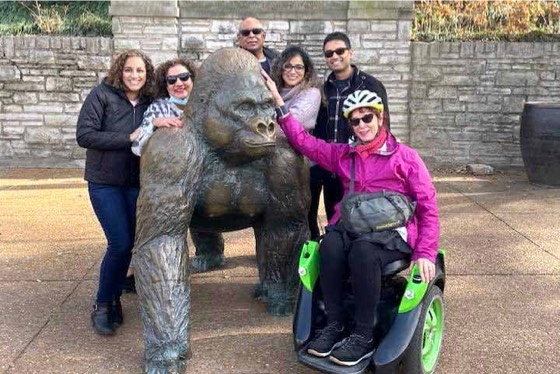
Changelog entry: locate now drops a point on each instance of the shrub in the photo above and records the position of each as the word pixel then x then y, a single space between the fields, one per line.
pixel 486 20
pixel 76 18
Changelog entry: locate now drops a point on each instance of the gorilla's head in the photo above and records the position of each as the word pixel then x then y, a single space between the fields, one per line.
pixel 232 107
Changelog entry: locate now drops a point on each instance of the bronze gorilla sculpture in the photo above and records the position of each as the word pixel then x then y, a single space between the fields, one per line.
pixel 228 168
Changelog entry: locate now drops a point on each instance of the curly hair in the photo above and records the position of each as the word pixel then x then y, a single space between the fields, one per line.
pixel 114 77
pixel 160 90
pixel 310 77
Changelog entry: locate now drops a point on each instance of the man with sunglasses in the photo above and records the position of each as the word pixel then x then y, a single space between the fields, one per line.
pixel 344 79
pixel 251 36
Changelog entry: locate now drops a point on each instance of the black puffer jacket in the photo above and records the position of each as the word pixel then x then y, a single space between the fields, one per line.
pixel 269 54
pixel 105 123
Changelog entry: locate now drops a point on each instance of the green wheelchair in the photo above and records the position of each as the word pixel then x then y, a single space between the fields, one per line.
pixel 409 318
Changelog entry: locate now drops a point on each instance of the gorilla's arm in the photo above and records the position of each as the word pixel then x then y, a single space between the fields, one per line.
pixel 169 182
pixel 280 236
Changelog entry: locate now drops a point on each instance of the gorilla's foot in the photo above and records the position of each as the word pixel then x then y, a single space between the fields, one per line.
pixel 280 309
pixel 260 293
pixel 167 361
pixel 280 299
pixel 203 263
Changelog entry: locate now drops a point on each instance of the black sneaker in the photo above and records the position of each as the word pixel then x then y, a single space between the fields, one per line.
pixel 352 350
pixel 101 319
pixel 324 342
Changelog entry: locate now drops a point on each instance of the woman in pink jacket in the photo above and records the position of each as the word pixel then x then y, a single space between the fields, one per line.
pixel 381 163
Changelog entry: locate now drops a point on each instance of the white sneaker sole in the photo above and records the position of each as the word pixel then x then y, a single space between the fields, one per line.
pixel 324 354
pixel 319 354
pixel 350 363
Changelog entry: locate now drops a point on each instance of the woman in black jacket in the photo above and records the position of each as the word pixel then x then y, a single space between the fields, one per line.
pixel 107 125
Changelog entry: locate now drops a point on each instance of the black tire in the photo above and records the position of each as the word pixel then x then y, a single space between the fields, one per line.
pixel 423 352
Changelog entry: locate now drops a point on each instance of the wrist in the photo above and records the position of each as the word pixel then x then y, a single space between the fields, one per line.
pixel 281 111
pixel 279 100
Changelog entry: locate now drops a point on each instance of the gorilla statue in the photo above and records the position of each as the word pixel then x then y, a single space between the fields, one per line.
pixel 230 167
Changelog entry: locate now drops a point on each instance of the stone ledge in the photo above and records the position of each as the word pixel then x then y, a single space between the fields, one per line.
pixel 381 10
pixel 167 8
pixel 266 10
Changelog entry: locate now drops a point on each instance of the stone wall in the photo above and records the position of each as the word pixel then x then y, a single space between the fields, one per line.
pixel 466 98
pixel 456 103
pixel 150 26
pixel 379 33
pixel 43 82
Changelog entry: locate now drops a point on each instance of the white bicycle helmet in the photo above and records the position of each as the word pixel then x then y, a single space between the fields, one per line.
pixel 361 99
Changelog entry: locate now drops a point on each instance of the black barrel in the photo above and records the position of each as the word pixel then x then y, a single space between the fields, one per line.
pixel 540 142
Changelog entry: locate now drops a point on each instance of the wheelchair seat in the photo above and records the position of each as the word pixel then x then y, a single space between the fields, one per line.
pixel 395 267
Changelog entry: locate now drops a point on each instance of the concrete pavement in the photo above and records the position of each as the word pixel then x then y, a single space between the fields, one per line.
pixel 502 300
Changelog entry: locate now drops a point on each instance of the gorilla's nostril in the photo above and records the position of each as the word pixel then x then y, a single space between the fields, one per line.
pixel 271 128
pixel 266 129
pixel 261 128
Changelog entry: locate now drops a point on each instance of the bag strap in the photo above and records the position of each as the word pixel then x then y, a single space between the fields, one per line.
pixel 352 173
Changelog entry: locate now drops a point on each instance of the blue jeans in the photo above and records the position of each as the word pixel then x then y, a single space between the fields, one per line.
pixel 115 208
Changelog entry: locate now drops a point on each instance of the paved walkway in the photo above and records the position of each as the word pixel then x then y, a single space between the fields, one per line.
pixel 502 299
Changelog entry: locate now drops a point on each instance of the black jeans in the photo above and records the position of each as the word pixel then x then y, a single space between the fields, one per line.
pixel 321 179
pixel 363 261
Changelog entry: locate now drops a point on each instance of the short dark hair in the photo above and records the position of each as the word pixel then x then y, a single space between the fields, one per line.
pixel 337 35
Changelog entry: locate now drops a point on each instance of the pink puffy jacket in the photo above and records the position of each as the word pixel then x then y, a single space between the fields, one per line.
pixel 397 168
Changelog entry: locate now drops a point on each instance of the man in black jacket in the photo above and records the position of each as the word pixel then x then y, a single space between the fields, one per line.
pixel 251 36
pixel 331 126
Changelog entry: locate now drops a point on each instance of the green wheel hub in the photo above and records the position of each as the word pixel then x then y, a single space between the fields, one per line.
pixel 432 335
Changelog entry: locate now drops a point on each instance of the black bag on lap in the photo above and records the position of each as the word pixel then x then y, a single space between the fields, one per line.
pixel 370 212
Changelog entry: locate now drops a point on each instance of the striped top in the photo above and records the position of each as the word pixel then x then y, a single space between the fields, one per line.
pixel 159 108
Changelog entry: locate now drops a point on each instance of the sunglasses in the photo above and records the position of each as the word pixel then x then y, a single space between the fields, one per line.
pixel 299 68
pixel 247 32
pixel 356 121
pixel 339 51
pixel 172 79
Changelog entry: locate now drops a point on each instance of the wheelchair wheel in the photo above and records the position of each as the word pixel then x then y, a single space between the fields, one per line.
pixel 423 352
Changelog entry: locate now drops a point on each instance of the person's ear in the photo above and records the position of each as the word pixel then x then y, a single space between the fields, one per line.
pixel 350 52
pixel 382 119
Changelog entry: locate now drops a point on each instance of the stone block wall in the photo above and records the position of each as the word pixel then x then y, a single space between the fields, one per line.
pixel 43 82
pixel 466 98
pixel 456 103
pixel 150 26
pixel 379 33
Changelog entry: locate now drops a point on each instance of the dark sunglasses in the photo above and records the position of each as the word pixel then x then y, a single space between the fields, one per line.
pixel 247 32
pixel 172 79
pixel 356 121
pixel 339 51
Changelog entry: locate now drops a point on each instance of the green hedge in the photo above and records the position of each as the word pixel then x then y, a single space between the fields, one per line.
pixel 506 20
pixel 76 18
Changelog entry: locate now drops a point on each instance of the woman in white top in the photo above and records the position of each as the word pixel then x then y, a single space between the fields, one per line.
pixel 174 83
pixel 296 80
